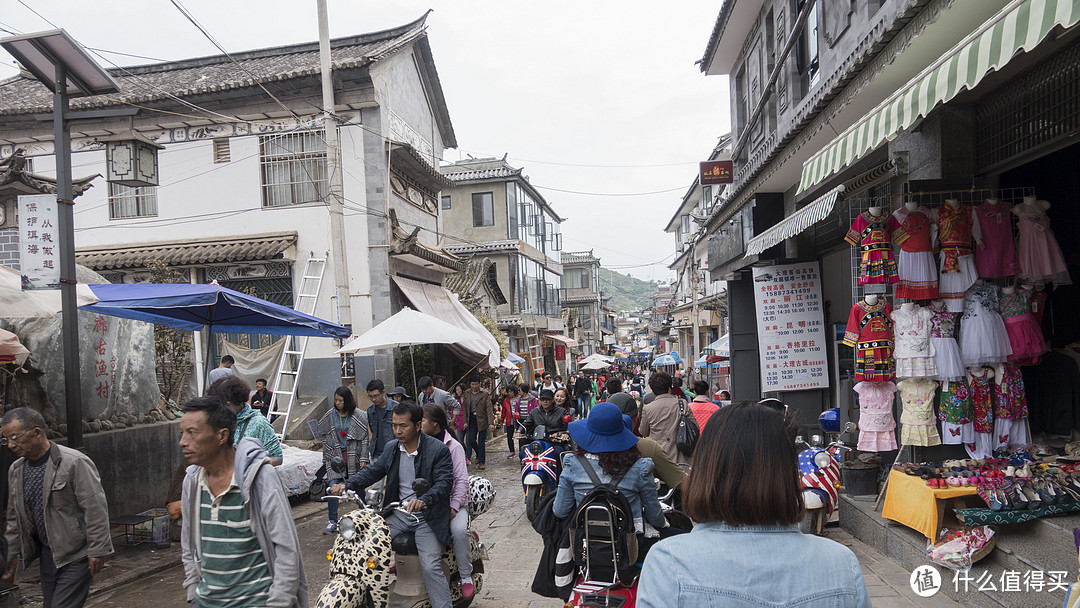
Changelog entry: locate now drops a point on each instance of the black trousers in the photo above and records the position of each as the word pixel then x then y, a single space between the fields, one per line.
pixel 65 587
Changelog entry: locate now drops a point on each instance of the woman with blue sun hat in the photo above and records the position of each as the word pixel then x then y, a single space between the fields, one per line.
pixel 610 449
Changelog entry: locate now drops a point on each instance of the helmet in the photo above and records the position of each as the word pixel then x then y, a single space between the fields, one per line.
pixel 481 495
pixel 830 420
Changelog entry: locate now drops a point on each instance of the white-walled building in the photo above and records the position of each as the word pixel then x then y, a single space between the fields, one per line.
pixel 244 179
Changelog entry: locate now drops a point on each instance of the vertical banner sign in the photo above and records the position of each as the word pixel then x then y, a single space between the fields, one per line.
pixel 39 241
pixel 791 327
pixel 560 352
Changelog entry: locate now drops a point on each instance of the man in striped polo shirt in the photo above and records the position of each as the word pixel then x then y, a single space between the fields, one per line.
pixel 239 543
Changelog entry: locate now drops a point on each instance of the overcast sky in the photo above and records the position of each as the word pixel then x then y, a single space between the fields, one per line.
pixel 589 96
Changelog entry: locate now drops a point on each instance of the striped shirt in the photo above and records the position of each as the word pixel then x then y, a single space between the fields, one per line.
pixel 234 571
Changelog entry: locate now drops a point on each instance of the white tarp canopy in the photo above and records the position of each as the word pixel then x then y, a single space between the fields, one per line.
pixel 596 365
pixel 406 328
pixel 438 302
pixel 15 303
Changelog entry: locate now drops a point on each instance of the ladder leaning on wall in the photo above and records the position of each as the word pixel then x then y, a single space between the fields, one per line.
pixel 536 352
pixel 292 358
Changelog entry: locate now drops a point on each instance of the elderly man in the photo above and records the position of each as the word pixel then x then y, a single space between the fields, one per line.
pixel 56 511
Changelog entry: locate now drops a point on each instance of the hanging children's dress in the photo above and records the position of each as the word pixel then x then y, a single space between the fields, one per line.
pixel 1025 337
pixel 955 231
pixel 996 255
pixel 914 351
pixel 916 267
pixel 1010 408
pixel 917 424
pixel 943 338
pixel 870 333
pixel 982 418
pixel 877 429
pixel 983 338
pixel 1040 256
pixel 873 236
pixel 955 413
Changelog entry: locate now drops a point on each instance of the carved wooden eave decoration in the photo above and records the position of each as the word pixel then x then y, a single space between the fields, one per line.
pixel 15 180
pixel 407 245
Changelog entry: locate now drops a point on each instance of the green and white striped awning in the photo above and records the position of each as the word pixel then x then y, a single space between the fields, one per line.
pixel 1021 25
pixel 794 223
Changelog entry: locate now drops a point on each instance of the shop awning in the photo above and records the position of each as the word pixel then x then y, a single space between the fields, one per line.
pixel 1020 26
pixel 794 223
pixel 565 340
pixel 438 302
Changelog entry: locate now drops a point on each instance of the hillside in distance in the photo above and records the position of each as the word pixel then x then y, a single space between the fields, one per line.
pixel 627 293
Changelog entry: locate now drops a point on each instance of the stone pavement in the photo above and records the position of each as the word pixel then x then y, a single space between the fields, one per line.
pixel 514 549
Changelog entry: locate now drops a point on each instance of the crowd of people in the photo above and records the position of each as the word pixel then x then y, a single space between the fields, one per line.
pixel 240 547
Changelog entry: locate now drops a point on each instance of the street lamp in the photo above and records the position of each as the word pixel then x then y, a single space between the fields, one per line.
pixel 67 70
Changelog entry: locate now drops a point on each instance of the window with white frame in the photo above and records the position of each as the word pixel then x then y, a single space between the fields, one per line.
pixel 293 167
pixel 127 202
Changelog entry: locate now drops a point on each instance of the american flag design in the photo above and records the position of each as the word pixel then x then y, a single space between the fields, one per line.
pixel 826 480
pixel 544 462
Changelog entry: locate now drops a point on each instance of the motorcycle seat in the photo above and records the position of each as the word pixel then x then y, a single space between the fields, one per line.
pixel 404 544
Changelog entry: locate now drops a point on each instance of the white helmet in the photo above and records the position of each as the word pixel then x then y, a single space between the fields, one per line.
pixel 481 495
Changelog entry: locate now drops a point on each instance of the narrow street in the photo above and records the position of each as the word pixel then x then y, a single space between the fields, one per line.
pixel 512 544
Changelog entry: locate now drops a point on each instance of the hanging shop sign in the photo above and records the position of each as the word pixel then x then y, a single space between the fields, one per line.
pixel 791 327
pixel 560 352
pixel 716 172
pixel 39 241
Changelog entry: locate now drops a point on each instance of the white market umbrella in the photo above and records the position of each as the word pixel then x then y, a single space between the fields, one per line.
pixel 11 349
pixel 596 358
pixel 596 365
pixel 407 328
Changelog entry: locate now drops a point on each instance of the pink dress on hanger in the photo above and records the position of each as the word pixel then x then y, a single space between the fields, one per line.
pixel 1041 261
pixel 877 428
pixel 1010 408
pixel 1025 336
pixel 996 256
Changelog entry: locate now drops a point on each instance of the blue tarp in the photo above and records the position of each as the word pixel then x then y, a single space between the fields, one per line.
pixel 195 307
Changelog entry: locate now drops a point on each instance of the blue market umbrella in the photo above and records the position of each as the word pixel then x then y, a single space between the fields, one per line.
pixel 666 359
pixel 513 358
pixel 213 307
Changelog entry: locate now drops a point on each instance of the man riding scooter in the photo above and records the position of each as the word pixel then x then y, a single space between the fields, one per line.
pixel 413 455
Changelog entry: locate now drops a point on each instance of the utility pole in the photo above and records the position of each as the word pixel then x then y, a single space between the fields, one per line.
pixel 335 195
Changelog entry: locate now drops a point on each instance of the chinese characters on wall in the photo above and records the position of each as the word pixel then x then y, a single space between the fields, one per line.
pixel 104 362
pixel 791 327
pixel 39 241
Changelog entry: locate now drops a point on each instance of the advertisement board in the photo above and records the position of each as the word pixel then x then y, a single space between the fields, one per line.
pixel 792 345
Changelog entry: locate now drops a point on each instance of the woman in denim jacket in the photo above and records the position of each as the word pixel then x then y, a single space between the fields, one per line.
pixel 612 450
pixel 746 550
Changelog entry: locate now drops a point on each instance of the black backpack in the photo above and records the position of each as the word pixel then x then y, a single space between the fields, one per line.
pixel 602 535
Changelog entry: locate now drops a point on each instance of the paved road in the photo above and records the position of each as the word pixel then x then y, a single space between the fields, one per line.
pixel 513 548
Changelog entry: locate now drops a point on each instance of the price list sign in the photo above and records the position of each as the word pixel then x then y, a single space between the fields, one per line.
pixel 791 327
pixel 39 241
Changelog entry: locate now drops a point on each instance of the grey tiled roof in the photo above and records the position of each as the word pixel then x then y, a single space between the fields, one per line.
pixel 464 176
pixel 210 75
pixel 579 257
pixel 189 252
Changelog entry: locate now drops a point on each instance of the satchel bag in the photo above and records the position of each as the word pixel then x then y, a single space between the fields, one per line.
pixel 687 437
pixel 318 487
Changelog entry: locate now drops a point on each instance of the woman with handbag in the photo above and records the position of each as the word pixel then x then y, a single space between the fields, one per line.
pixel 344 430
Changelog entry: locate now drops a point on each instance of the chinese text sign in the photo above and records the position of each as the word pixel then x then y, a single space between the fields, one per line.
pixel 39 241
pixel 791 327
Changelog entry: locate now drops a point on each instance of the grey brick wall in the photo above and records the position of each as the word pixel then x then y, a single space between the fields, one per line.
pixel 9 247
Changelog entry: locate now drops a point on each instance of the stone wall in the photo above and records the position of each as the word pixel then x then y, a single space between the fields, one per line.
pixel 136 464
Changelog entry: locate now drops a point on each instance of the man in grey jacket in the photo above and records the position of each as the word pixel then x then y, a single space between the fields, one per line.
pixel 56 511
pixel 238 543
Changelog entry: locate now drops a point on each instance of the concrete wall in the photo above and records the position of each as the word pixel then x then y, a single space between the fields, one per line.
pixel 458 220
pixel 136 464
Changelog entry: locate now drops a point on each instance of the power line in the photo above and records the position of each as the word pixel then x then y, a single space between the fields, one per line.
pixel 678 189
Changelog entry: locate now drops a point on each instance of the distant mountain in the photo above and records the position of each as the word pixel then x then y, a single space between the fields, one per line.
pixel 627 293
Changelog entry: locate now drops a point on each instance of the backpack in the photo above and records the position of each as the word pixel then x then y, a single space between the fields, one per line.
pixel 688 432
pixel 603 540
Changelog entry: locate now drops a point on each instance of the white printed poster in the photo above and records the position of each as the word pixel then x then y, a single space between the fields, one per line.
pixel 791 327
pixel 39 241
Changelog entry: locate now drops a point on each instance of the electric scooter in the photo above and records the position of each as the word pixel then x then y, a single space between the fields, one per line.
pixel 365 560
pixel 539 468
pixel 819 469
